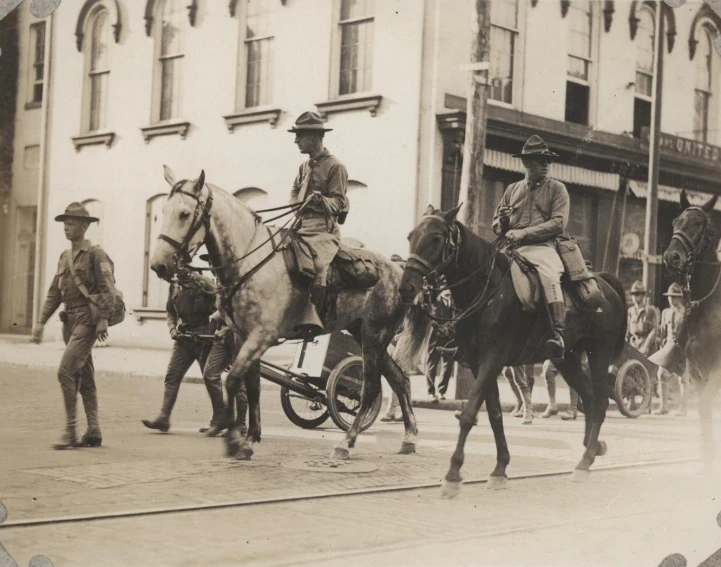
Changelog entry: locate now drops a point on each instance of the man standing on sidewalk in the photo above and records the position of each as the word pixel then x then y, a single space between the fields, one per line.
pixel 191 302
pixel 440 346
pixel 89 266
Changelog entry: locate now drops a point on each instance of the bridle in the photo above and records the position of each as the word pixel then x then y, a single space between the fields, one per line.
pixel 449 256
pixel 201 218
pixel 694 252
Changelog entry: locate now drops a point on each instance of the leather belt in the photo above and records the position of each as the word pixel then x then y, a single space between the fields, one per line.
pixel 76 304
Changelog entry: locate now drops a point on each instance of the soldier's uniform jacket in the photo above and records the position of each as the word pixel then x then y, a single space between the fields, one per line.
pixel 93 266
pixel 542 221
pixel 671 320
pixel 329 177
pixel 191 304
pixel 641 322
pixel 444 329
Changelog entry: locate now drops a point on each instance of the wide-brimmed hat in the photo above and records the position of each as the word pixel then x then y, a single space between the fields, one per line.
pixel 76 211
pixel 309 122
pixel 534 148
pixel 638 288
pixel 674 290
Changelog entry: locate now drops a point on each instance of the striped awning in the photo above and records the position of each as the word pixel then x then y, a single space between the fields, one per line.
pixel 671 194
pixel 561 171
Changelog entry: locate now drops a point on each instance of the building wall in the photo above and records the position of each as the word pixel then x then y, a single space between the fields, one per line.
pixel 378 151
pixel 17 260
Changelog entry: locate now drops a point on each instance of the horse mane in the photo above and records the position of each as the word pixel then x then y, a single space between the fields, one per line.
pixel 473 253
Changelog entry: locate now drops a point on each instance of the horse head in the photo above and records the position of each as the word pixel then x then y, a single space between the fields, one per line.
pixel 691 234
pixel 433 246
pixel 186 223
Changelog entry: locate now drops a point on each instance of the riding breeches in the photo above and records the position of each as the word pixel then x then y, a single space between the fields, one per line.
pixel 325 244
pixel 76 372
pixel 550 269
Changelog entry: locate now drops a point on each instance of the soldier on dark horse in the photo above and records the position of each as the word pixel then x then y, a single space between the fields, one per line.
pixel 501 321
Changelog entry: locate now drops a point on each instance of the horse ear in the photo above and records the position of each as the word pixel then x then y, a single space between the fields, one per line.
pixel 710 204
pixel 169 176
pixel 685 203
pixel 200 183
pixel 429 210
pixel 450 216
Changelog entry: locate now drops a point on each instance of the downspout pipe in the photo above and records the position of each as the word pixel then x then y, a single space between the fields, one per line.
pixel 42 221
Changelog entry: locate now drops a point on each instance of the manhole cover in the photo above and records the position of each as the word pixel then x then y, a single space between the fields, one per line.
pixel 330 465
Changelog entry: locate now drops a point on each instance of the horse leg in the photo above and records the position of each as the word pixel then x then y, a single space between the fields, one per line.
pixel 245 368
pixel 489 370
pixel 705 412
pixel 369 392
pixel 401 385
pixel 598 366
pixel 498 478
pixel 576 377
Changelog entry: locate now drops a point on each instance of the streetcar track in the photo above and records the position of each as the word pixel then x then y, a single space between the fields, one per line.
pixel 81 518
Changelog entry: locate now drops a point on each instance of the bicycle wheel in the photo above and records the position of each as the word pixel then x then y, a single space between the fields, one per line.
pixel 633 389
pixel 302 411
pixel 343 392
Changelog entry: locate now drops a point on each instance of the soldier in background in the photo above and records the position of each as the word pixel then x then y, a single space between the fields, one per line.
pixel 440 346
pixel 643 320
pixel 671 320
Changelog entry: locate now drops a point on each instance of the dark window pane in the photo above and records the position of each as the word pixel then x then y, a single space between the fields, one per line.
pixel 641 116
pixel 577 103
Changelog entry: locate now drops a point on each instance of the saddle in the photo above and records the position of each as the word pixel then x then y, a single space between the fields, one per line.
pixel 352 268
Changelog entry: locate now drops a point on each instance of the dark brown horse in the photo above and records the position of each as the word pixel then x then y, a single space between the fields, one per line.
pixel 690 256
pixel 493 328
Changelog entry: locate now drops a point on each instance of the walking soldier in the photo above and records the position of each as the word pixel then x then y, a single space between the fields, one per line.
pixel 531 214
pixel 191 302
pixel 321 184
pixel 83 270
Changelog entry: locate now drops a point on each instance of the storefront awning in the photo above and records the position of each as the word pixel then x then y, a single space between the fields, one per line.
pixel 670 194
pixel 561 171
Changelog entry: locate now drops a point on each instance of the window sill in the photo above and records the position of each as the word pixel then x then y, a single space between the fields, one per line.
pixel 253 116
pixel 165 129
pixel 350 102
pixel 93 139
pixel 143 313
pixel 31 105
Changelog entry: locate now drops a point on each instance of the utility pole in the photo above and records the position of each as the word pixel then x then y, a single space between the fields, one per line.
pixel 476 113
pixel 475 139
pixel 651 259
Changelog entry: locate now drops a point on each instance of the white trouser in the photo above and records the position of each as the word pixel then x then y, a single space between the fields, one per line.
pixel 550 269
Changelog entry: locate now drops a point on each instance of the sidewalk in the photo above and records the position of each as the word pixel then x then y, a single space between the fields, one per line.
pixel 152 363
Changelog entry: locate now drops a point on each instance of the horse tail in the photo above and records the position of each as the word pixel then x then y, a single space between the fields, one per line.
pixel 617 286
pixel 414 332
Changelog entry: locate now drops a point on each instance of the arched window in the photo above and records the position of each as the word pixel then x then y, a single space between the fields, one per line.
pixel 580 60
pixel 155 290
pixel 645 38
pixel 169 52
pixel 704 82
pixel 252 197
pixel 504 40
pixel 97 69
pixel 95 231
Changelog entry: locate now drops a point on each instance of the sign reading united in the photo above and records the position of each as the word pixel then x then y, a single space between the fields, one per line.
pixel 683 146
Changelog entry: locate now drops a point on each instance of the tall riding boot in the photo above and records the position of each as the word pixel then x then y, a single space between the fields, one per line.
pixel 162 422
pixel 68 440
pixel 92 437
pixel 552 407
pixel 663 406
pixel 554 346
pixel 215 392
pixel 527 406
pixel 682 408
pixel 572 411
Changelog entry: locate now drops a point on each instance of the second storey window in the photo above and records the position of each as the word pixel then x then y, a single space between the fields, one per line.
pixel 578 85
pixel 37 63
pixel 504 37
pixel 644 70
pixel 98 70
pixel 258 52
pixel 356 49
pixel 704 84
pixel 169 41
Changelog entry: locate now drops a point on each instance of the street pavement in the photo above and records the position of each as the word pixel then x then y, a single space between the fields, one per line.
pixel 147 498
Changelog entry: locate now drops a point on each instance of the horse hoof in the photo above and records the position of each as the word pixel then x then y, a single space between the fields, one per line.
pixel 580 475
pixel 407 448
pixel 340 454
pixel 243 454
pixel 602 448
pixel 496 482
pixel 450 489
